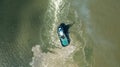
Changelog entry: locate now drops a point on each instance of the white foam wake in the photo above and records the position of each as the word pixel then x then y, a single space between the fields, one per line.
pixel 57 59
pixel 62 56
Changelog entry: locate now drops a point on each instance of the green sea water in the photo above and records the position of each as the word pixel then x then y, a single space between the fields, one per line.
pixel 28 33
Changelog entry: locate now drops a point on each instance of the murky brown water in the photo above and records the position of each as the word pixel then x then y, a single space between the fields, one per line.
pixel 105 22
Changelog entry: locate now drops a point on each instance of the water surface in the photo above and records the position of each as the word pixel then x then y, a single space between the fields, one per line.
pixel 28 33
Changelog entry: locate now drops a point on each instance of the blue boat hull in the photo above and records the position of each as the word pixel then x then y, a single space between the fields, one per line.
pixel 62 36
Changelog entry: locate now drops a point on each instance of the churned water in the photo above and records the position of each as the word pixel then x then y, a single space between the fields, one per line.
pixel 28 33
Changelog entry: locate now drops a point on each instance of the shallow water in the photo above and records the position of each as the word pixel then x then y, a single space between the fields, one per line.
pixel 28 36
